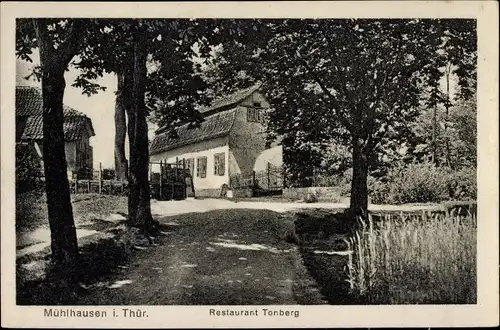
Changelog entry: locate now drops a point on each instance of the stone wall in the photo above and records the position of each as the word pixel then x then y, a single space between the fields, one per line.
pixel 321 193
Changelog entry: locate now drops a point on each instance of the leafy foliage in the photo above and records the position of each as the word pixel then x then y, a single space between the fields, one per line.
pixel 357 82
pixel 28 169
pixel 424 182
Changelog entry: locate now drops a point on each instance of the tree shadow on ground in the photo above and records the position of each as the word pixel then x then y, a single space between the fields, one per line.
pixel 100 260
pixel 322 230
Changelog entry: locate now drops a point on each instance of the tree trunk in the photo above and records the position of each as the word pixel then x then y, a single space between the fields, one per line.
pixel 62 226
pixel 446 118
pixel 359 186
pixel 139 206
pixel 60 213
pixel 434 136
pixel 122 103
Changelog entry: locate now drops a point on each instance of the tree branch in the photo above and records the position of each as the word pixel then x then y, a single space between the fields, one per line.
pixel 70 47
pixel 331 97
pixel 67 50
pixel 379 91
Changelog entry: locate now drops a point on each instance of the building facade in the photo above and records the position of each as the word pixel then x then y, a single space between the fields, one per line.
pixel 226 144
pixel 78 130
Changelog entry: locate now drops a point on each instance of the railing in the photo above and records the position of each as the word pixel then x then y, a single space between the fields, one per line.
pixel 169 180
pixel 275 178
pixel 100 183
pixel 270 179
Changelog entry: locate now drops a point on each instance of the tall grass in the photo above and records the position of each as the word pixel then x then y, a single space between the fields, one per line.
pixel 414 259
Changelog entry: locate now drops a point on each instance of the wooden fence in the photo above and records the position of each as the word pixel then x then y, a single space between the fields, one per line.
pixel 98 185
pixel 169 181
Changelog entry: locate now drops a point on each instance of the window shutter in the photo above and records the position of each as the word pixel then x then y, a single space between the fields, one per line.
pixel 222 164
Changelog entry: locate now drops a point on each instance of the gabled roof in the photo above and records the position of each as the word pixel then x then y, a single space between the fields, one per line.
pixel 29 105
pixel 28 101
pixel 231 100
pixel 213 126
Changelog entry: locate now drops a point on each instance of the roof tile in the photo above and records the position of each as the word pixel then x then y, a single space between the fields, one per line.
pixel 231 99
pixel 213 126
pixel 29 104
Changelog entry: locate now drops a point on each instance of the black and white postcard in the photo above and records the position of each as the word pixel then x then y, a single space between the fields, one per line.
pixel 249 164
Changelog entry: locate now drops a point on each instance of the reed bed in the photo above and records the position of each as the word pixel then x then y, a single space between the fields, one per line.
pixel 414 259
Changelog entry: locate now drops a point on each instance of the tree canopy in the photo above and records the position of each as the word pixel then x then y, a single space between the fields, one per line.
pixel 356 82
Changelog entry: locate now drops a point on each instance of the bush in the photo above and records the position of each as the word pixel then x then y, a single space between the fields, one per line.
pixel 463 184
pixel 424 182
pixel 28 169
pixel 311 198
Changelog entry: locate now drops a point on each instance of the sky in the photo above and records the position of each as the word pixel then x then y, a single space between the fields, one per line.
pixel 99 108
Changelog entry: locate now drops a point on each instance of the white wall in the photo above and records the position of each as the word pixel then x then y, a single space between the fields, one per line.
pixel 273 155
pixel 70 150
pixel 247 141
pixel 202 149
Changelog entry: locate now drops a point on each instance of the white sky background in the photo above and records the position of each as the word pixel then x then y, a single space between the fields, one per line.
pixel 99 108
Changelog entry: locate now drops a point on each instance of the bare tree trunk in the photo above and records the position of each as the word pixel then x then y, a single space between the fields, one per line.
pixel 62 226
pixel 446 118
pixel 139 206
pixel 359 185
pixel 434 136
pixel 122 103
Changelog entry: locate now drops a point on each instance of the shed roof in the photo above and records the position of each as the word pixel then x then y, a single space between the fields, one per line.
pixel 213 126
pixel 29 104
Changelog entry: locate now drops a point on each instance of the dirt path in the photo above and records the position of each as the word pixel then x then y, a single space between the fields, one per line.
pixel 231 256
pixel 164 208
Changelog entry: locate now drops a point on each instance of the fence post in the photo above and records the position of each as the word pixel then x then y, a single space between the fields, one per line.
pixel 100 178
pixel 88 185
pixel 268 176
pixel 283 175
pixel 253 179
pixel 184 195
pixel 176 182
pixel 161 179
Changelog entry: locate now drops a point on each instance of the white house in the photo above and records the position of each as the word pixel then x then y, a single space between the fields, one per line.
pixel 226 144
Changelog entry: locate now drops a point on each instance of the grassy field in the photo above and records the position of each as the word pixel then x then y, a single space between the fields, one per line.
pixel 31 209
pixel 414 259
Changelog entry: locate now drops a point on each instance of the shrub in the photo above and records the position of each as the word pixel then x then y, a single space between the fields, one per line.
pixel 345 182
pixel 28 169
pixel 415 260
pixel 463 184
pixel 424 182
pixel 421 182
pixel 310 198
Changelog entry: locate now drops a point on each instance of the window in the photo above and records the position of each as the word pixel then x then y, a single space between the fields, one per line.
pixel 219 164
pixel 201 167
pixel 253 115
pixel 190 165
